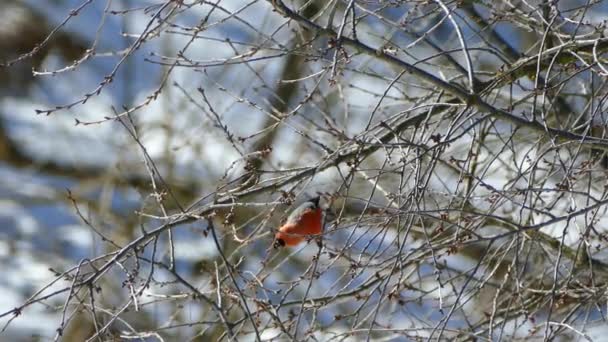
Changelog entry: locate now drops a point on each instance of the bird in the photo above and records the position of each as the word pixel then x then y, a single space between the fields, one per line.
pixel 305 221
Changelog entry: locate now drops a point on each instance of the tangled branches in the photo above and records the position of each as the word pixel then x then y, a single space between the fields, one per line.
pixel 458 148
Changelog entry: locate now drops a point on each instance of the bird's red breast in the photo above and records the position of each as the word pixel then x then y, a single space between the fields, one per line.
pixel 305 221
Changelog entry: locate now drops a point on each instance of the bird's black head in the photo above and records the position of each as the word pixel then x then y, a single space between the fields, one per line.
pixel 315 201
pixel 278 243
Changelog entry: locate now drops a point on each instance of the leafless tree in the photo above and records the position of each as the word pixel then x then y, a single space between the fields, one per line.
pixel 458 147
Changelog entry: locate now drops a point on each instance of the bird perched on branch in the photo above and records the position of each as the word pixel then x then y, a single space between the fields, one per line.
pixel 304 222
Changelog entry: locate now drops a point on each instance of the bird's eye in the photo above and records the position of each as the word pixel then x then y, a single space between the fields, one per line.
pixel 279 243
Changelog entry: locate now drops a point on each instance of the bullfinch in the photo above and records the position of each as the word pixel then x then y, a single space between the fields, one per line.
pixel 303 222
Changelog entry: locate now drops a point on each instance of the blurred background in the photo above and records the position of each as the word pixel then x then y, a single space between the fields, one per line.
pixel 206 122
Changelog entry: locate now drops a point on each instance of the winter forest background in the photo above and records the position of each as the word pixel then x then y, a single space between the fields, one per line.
pixel 150 149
